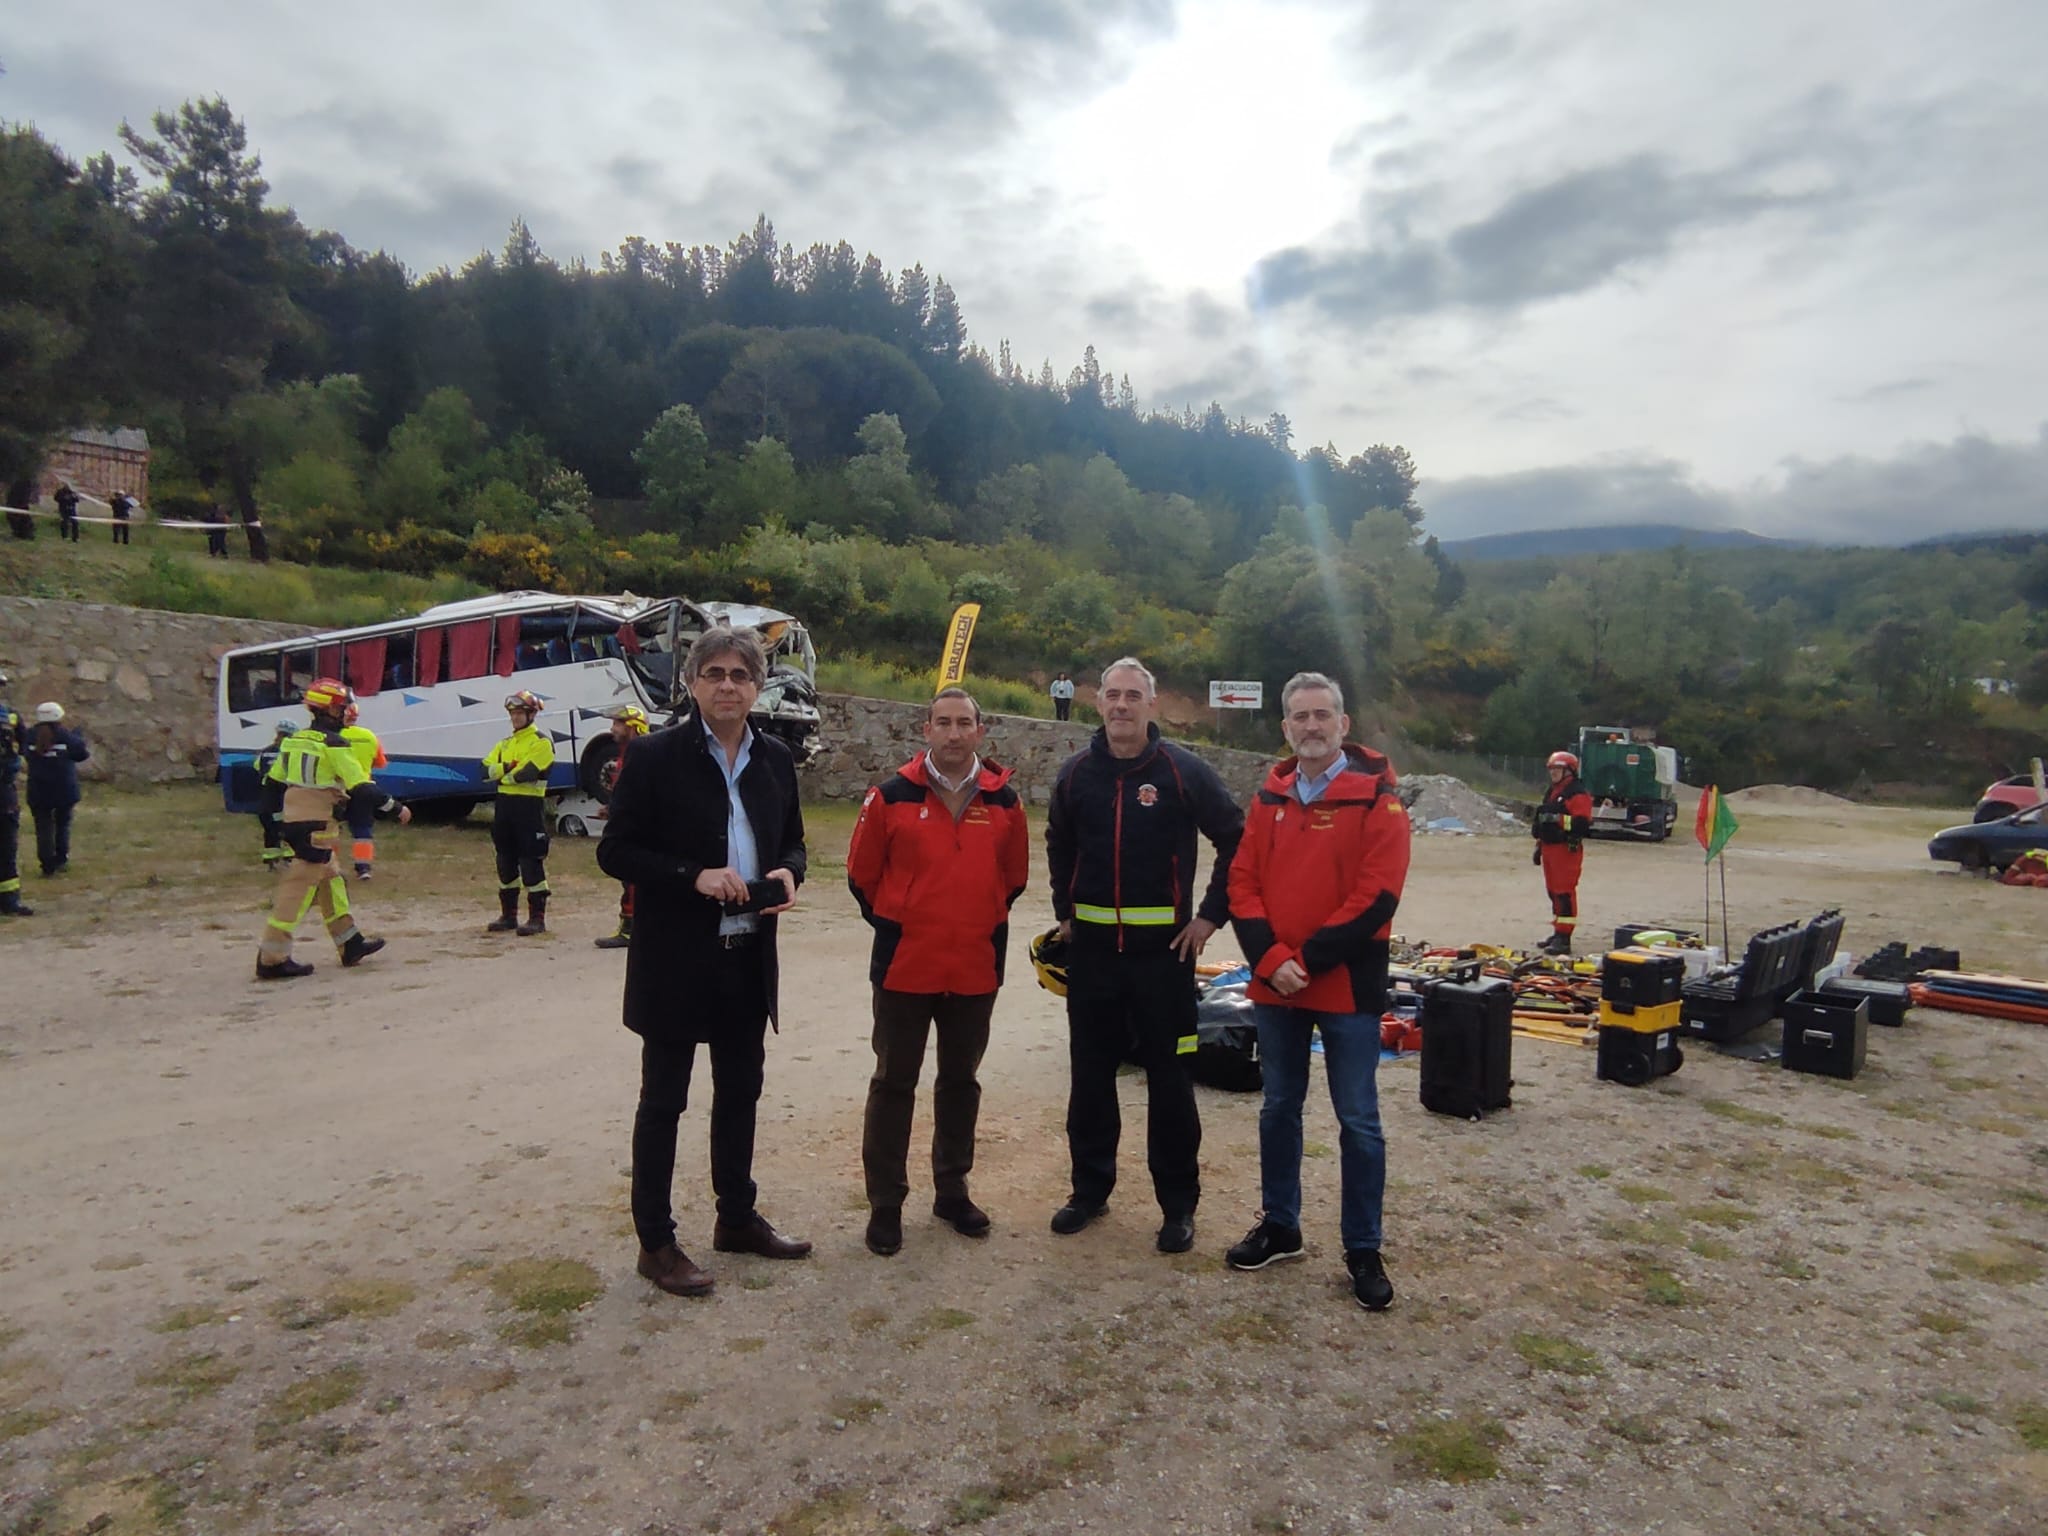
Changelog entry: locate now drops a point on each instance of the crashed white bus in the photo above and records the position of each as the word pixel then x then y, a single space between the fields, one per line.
pixel 432 687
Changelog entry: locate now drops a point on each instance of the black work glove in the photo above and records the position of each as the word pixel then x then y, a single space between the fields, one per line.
pixel 1536 854
pixel 528 773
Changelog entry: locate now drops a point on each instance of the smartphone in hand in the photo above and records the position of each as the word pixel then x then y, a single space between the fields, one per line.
pixel 761 894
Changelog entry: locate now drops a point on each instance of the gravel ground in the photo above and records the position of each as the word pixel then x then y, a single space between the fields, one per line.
pixel 353 1257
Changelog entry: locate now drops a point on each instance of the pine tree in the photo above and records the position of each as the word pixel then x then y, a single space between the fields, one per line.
pixel 1127 397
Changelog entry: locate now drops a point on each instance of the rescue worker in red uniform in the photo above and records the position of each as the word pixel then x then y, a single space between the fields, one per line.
pixel 938 856
pixel 1561 825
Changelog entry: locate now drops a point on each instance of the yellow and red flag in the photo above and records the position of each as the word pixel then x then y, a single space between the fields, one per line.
pixel 1715 823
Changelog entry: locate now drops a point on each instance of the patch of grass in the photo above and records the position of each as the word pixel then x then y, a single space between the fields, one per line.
pixel 1317 1149
pixel 1961 1404
pixel 826 1515
pixel 129 1506
pixel 9 1332
pixel 1830 1132
pixel 1658 1233
pixel 867 1319
pixel 498 1484
pixel 1712 1248
pixel 347 1298
pixel 746 1346
pixel 1635 1428
pixel 1995 1266
pixel 1642 1194
pixel 1787 1265
pixel 307 1399
pixel 26 1421
pixel 1722 1214
pixel 1452 1450
pixel 1253 1326
pixel 856 1410
pixel 185 1319
pixel 190 1376
pixel 2030 1423
pixel 1660 1286
pixel 547 1286
pixel 1940 1322
pixel 1741 1114
pixel 2026 1199
pixel 1594 1170
pixel 440 1338
pixel 109 1263
pixel 538 1330
pixel 947 1317
pixel 1548 1353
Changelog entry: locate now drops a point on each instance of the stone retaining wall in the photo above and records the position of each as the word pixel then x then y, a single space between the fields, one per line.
pixel 140 683
pixel 868 739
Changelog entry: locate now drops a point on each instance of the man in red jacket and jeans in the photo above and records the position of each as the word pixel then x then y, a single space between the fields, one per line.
pixel 937 857
pixel 1313 891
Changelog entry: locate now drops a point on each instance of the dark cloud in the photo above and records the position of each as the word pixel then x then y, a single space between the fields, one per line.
pixel 1207 318
pixel 1565 236
pixel 1970 484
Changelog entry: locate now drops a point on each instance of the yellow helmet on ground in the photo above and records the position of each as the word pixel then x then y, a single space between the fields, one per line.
pixel 1049 959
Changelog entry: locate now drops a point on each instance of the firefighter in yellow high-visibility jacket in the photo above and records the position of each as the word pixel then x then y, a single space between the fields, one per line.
pixel 519 766
pixel 322 778
pixel 362 821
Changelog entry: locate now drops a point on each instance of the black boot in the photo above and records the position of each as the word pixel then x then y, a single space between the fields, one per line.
pixel 281 970
pixel 358 949
pixel 508 913
pixel 620 939
pixel 11 906
pixel 536 914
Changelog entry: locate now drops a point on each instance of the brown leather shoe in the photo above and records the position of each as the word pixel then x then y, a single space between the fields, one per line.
pixel 754 1235
pixel 671 1269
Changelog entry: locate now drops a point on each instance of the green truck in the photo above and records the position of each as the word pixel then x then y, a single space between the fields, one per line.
pixel 1633 783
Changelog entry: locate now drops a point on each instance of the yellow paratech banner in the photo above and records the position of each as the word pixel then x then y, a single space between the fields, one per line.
pixel 959 635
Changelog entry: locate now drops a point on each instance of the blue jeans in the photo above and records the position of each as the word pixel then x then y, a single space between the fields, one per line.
pixel 1351 1057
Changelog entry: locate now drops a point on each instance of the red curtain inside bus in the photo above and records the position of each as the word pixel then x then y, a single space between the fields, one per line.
pixel 469 649
pixel 327 663
pixel 508 644
pixel 427 657
pixel 366 665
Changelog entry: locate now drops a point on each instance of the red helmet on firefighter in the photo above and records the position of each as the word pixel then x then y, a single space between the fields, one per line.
pixel 530 702
pixel 326 696
pixel 1565 760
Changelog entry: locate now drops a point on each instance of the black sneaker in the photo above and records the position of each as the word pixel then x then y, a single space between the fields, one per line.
pixel 1267 1243
pixel 1076 1214
pixel 1176 1234
pixel 1369 1282
pixel 885 1231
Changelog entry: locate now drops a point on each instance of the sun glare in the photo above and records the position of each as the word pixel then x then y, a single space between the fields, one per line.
pixel 1215 149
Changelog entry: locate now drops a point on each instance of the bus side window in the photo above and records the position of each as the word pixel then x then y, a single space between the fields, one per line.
pixel 252 681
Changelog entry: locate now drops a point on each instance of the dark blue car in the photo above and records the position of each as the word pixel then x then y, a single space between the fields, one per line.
pixel 1992 844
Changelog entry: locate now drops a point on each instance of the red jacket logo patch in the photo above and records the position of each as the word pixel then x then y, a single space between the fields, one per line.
pixel 1148 794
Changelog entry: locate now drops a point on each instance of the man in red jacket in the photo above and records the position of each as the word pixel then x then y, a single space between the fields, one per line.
pixel 1562 821
pixel 1313 891
pixel 937 857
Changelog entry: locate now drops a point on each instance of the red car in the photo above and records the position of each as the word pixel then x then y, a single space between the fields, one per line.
pixel 2006 796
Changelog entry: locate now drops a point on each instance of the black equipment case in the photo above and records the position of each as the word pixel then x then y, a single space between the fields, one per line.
pixel 1826 1035
pixel 1888 1000
pixel 1468 1041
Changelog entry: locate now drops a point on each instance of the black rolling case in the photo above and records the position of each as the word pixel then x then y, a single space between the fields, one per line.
pixel 1468 1041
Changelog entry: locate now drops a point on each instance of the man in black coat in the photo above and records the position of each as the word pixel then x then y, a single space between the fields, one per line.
pixel 705 811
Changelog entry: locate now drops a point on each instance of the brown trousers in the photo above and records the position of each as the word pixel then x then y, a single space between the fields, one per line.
pixel 903 1022
pixel 312 876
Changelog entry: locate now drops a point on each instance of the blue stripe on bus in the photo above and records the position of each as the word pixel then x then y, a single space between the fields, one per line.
pixel 409 778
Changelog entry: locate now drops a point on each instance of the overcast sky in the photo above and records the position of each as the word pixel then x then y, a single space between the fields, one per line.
pixel 1760 263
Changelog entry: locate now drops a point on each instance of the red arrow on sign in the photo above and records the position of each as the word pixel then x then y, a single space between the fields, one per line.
pixel 1237 698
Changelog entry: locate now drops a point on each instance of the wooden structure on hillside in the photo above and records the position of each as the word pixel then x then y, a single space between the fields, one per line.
pixel 99 463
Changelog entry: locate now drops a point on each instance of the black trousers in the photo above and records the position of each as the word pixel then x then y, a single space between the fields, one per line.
pixel 120 533
pixel 519 834
pixel 904 1021
pixel 10 839
pixel 732 992
pixel 67 528
pixel 1062 709
pixel 1141 1006
pixel 53 837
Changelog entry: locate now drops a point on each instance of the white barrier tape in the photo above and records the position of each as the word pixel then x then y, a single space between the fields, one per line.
pixel 140 516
